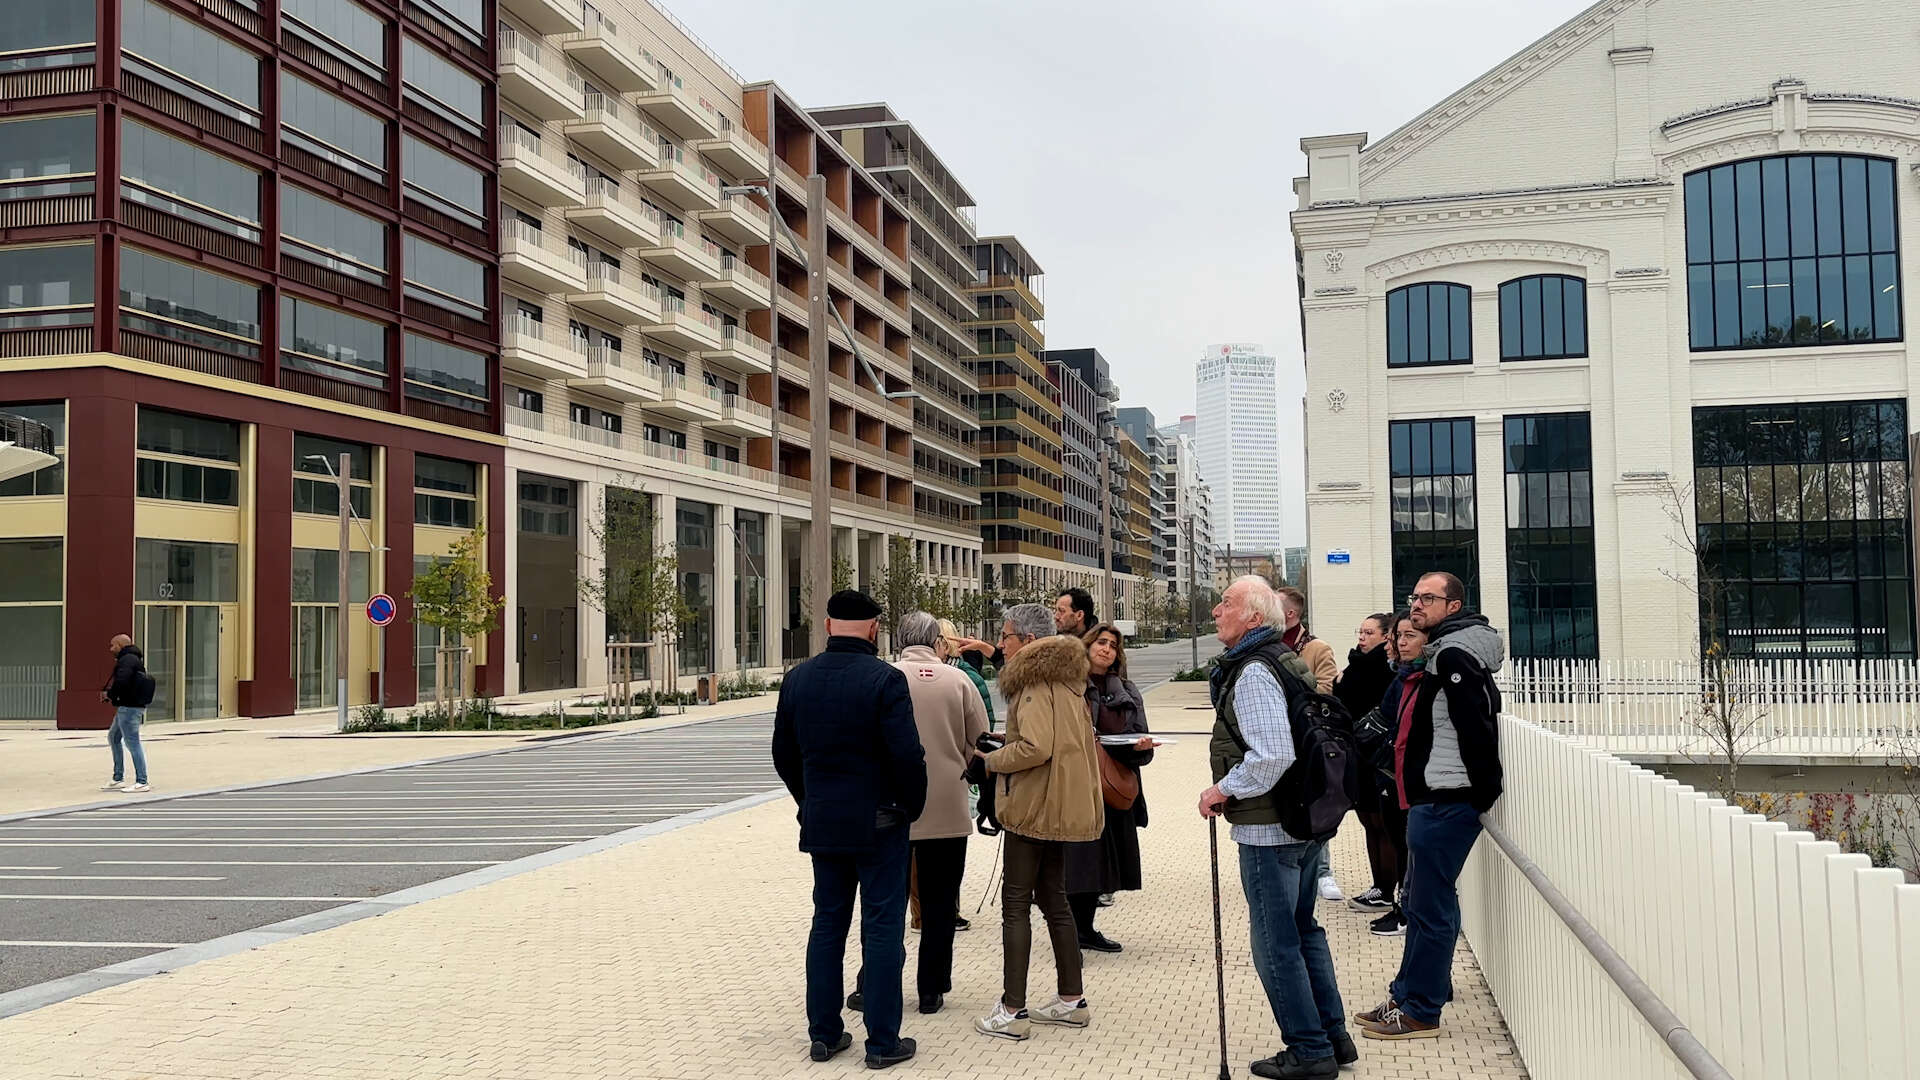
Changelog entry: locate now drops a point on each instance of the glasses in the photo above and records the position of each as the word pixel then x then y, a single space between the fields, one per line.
pixel 1425 598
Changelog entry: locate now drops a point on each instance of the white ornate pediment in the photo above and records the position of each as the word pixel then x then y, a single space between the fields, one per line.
pixel 1593 259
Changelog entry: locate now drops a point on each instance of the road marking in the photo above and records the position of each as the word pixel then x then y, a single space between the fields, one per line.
pixel 149 896
pixel 91 944
pixel 204 814
pixel 97 877
pixel 294 862
pixel 302 842
pixel 29 868
pixel 327 828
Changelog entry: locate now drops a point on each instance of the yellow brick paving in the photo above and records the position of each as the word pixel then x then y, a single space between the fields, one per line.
pixel 679 958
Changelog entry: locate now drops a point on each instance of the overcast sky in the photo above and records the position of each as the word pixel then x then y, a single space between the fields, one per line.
pixel 1144 152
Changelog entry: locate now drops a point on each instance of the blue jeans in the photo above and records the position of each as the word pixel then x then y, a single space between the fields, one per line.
pixel 126 729
pixel 1439 837
pixel 881 879
pixel 1289 948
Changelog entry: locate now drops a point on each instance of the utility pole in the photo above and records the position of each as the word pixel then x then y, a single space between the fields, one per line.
pixel 342 483
pixel 820 547
pixel 1193 613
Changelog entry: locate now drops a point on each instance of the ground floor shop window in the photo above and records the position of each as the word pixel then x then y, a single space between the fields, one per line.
pixel 32 579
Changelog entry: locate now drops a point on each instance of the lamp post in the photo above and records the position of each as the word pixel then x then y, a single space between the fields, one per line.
pixel 343 484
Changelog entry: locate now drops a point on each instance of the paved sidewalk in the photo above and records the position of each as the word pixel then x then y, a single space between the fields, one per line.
pixel 679 958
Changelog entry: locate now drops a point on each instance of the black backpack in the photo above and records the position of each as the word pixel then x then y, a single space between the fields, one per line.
pixel 1318 789
pixel 141 690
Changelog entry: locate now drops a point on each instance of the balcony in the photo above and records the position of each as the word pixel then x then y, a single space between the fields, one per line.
pixel 616 60
pixel 615 132
pixel 739 284
pixel 741 351
pixel 1031 519
pixel 739 219
pixel 537 78
pixel 546 16
pixel 1004 481
pixel 736 150
pixel 620 377
pixel 875 504
pixel 685 399
pixel 540 259
pixel 681 110
pixel 539 170
pixel 684 253
pixel 616 215
pixel 685 327
pixel 613 295
pixel 743 417
pixel 681 179
pixel 536 348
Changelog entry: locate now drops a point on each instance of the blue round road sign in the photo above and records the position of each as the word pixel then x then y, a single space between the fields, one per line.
pixel 380 609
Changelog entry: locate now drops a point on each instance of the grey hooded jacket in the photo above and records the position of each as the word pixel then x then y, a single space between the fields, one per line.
pixel 1452 740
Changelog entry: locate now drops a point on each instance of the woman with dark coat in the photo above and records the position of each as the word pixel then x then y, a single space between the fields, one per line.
pixel 1111 863
pixel 1360 687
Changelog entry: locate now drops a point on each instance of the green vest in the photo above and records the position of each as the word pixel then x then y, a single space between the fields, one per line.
pixel 1228 747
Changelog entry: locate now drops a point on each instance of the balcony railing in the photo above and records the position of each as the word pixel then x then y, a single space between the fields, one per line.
pixel 516 141
pixel 739 269
pixel 741 336
pixel 520 234
pixel 600 187
pixel 519 331
pixel 744 404
pixel 524 49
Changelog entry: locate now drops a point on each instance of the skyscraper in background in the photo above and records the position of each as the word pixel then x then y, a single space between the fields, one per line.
pixel 1237 436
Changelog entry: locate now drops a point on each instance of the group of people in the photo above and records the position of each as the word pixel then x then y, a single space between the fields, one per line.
pixel 884 761
pixel 1419 692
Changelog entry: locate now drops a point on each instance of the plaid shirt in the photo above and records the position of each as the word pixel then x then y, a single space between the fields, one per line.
pixel 1261 708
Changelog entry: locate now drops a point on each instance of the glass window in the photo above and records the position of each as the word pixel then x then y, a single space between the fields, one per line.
pixel 440 474
pixel 173 300
pixel 51 480
pixel 48 30
pixel 436 83
pixel 443 180
pixel 694 558
pixel 1551 598
pixel 179 436
pixel 331 128
pixel 1804 529
pixel 46 286
pixel 1435 527
pixel 31 571
pixel 314 489
pixel 322 231
pixel 444 492
pixel 530 400
pixel 338 25
pixel 462 15
pixel 1429 324
pixel 316 576
pixel 437 371
pixel 161 432
pixel 195 63
pixel 185 570
pixel 32 585
pixel 324 341
pixel 54 150
pixel 1794 250
pixel 443 278
pixel 181 179
pixel 1543 318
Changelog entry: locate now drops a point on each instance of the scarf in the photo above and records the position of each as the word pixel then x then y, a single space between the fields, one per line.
pixel 1217 678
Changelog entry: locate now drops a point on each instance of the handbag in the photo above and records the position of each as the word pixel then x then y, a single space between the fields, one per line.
pixel 1119 785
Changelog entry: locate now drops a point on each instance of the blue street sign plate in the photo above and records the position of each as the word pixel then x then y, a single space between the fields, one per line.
pixel 1338 556
pixel 380 609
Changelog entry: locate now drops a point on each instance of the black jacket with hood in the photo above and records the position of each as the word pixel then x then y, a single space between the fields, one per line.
pixel 128 687
pixel 1449 738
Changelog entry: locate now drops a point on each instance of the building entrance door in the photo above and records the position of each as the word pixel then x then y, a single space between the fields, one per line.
pixel 182 643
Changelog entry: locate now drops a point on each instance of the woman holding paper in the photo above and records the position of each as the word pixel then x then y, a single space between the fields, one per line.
pixel 1116 710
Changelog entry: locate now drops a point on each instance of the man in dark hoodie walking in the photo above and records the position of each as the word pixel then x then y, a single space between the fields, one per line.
pixel 1447 770
pixel 129 691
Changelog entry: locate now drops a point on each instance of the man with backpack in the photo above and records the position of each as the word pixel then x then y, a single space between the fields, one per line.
pixel 1266 708
pixel 130 691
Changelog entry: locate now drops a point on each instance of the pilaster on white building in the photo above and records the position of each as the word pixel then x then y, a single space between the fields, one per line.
pixel 1237 438
pixel 1656 254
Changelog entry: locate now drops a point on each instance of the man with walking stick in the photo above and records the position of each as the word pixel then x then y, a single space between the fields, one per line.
pixel 1252 747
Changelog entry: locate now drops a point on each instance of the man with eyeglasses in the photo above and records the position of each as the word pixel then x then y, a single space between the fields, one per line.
pixel 1447 771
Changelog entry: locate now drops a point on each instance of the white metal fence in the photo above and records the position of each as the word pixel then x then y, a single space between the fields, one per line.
pixel 1841 707
pixel 1787 959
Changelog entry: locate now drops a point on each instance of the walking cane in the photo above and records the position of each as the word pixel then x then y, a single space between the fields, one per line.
pixel 1219 953
pixel 981 906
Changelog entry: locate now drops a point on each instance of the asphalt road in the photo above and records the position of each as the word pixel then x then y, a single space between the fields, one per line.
pixel 83 890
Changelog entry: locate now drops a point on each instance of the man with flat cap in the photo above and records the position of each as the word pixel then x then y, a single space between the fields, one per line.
pixel 845 744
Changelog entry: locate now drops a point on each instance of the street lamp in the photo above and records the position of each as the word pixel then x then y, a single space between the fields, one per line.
pixel 342 481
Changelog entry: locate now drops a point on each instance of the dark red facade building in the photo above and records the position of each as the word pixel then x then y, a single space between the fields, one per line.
pixel 239 238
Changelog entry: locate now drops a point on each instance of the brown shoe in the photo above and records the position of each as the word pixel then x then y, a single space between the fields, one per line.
pixel 1375 1016
pixel 1398 1025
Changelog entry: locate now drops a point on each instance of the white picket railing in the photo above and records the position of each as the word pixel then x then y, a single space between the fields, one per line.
pixel 1829 707
pixel 1785 958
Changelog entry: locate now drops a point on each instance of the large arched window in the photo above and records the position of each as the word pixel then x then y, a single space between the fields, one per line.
pixel 1431 323
pixel 1801 249
pixel 1543 318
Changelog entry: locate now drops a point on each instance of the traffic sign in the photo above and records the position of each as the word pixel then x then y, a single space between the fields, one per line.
pixel 1339 556
pixel 381 609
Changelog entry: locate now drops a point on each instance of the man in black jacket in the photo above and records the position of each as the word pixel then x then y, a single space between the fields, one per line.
pixel 845 744
pixel 129 691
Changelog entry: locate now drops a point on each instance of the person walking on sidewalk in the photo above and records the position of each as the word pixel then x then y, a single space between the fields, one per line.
pixel 1252 747
pixel 845 744
pixel 1361 688
pixel 1318 656
pixel 1048 796
pixel 1112 863
pixel 1447 753
pixel 129 691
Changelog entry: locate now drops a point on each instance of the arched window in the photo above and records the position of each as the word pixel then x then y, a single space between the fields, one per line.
pixel 1430 323
pixel 1801 249
pixel 1543 318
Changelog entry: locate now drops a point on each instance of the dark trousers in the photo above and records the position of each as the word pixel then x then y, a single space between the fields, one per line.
pixel 1036 873
pixel 880 876
pixel 1386 827
pixel 941 863
pixel 1085 905
pixel 1438 840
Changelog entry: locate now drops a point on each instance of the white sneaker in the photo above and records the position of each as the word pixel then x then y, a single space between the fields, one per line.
pixel 1075 1013
pixel 135 789
pixel 1330 889
pixel 113 785
pixel 1002 1024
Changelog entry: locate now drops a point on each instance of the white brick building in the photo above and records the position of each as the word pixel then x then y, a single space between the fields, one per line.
pixel 1557 242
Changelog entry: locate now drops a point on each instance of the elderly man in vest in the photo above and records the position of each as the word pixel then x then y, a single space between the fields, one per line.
pixel 1252 746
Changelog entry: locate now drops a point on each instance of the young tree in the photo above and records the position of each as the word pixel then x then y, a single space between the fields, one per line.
pixel 636 584
pixel 456 598
pixel 901 588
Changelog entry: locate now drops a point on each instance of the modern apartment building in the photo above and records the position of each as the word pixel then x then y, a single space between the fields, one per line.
pixel 1638 372
pixel 1096 473
pixel 946 424
pixel 1237 435
pixel 1139 425
pixel 1022 501
pixel 237 241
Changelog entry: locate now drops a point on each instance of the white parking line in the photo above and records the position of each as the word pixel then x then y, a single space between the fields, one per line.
pixel 29 868
pixel 216 814
pixel 91 944
pixel 97 877
pixel 294 862
pixel 149 896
